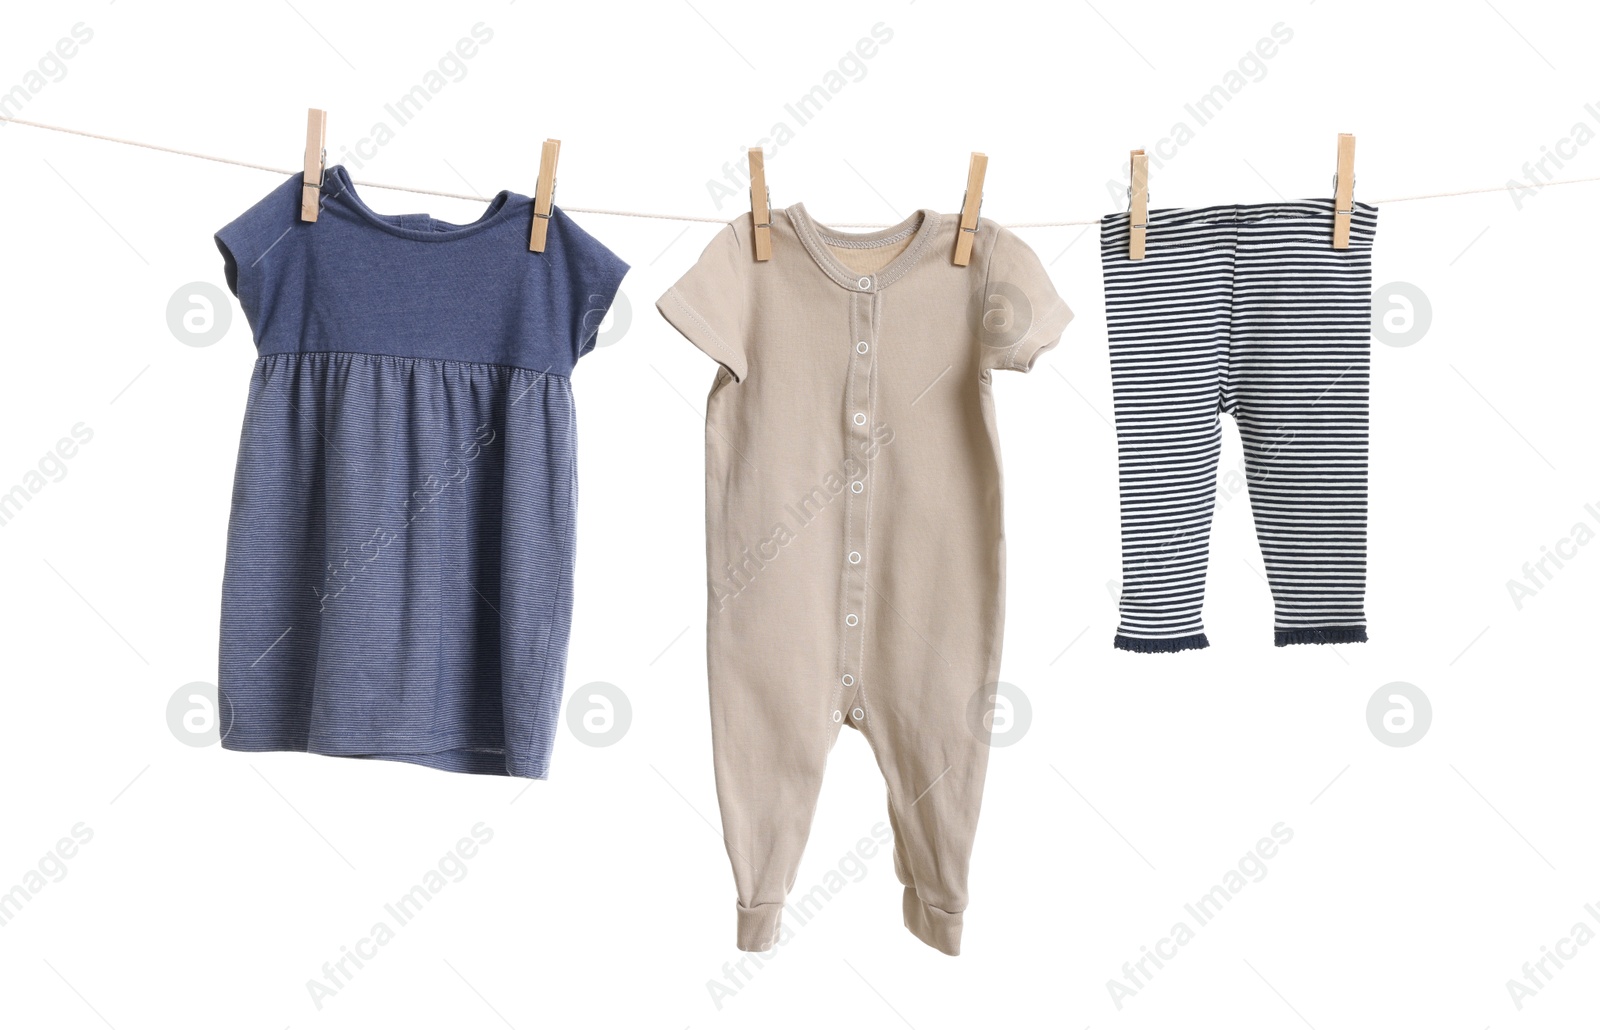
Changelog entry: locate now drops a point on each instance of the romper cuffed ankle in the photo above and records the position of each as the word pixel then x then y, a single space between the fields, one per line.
pixel 932 926
pixel 759 926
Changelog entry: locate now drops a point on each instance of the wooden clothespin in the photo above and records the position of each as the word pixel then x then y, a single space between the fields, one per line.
pixel 971 203
pixel 316 160
pixel 1344 188
pixel 760 204
pixel 1138 203
pixel 544 195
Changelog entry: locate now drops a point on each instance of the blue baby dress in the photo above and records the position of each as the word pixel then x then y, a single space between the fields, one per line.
pixel 398 582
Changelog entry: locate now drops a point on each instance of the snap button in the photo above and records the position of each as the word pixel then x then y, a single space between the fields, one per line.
pixel 848 680
pixel 856 487
pixel 837 716
pixel 865 282
pixel 860 419
pixel 857 714
pixel 855 557
pixel 851 620
pixel 861 348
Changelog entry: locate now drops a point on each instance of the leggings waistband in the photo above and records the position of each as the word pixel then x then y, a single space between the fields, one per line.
pixel 1275 210
pixel 1289 213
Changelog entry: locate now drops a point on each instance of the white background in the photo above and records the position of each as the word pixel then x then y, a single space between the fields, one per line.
pixel 1419 879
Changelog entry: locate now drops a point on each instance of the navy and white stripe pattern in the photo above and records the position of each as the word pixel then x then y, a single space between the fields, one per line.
pixel 1245 309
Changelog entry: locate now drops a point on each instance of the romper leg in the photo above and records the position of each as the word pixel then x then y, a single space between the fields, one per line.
pixel 934 764
pixel 770 738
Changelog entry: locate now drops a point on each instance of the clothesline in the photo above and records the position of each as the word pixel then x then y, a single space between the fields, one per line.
pixel 670 217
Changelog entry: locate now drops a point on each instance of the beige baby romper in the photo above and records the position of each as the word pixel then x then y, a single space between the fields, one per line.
pixel 854 540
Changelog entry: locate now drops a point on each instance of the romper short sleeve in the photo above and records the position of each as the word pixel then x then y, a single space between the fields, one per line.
pixel 709 305
pixel 1022 315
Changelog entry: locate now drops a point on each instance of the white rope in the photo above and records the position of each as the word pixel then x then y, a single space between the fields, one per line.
pixel 688 218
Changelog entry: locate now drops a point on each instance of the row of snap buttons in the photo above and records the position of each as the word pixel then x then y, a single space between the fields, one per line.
pixel 860 419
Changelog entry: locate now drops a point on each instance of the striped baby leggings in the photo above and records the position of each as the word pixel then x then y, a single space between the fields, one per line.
pixel 1246 309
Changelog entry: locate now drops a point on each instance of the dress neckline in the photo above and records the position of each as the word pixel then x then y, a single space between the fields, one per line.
pixel 338 188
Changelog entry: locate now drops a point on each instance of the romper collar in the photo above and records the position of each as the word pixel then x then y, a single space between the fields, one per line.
pixel 922 227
